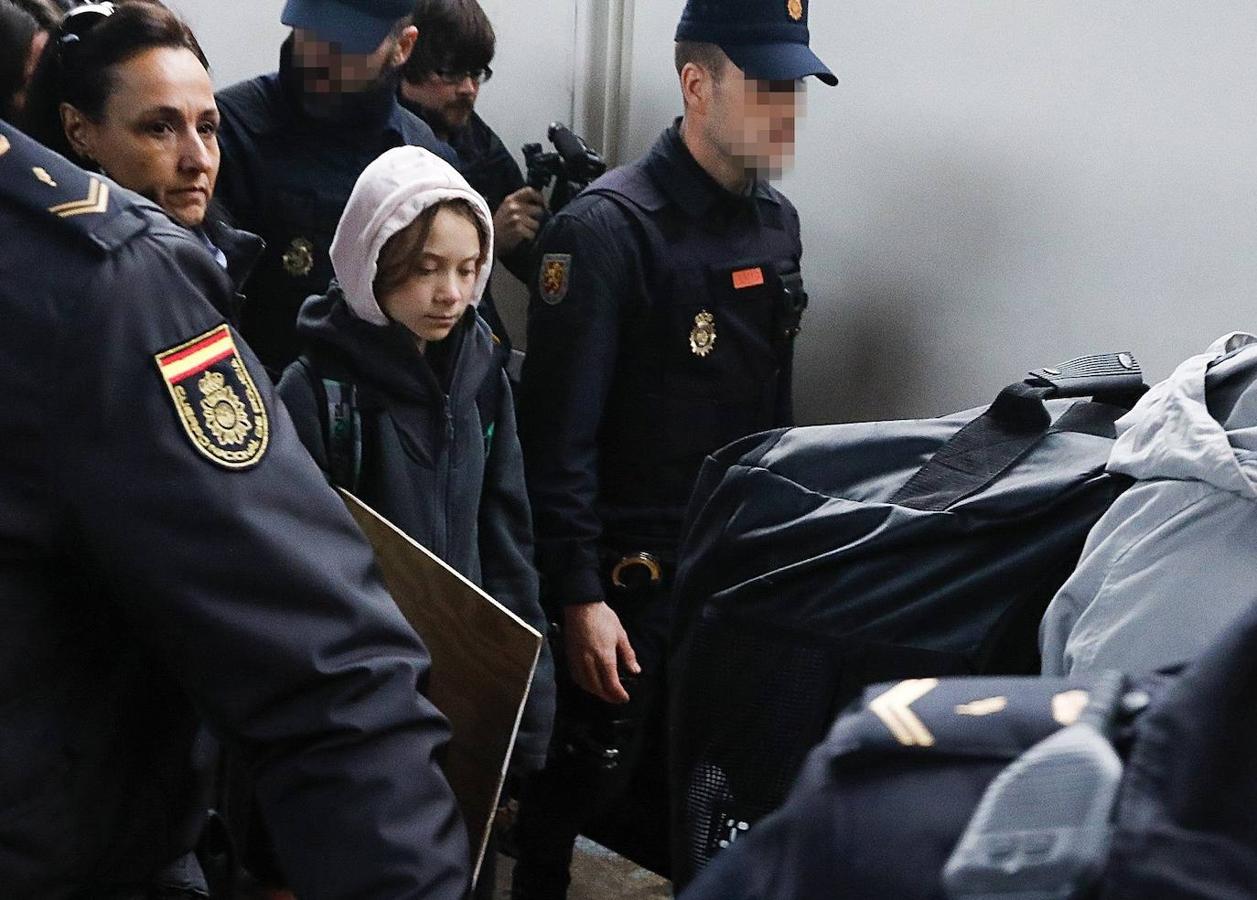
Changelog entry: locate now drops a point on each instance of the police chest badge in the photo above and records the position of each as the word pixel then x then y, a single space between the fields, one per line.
pixel 299 258
pixel 795 9
pixel 556 270
pixel 703 335
pixel 216 400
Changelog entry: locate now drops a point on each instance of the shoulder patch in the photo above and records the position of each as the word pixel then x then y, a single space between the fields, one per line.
pixel 554 277
pixel 216 400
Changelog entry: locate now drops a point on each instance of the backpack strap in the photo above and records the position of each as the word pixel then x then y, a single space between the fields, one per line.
pixel 341 419
pixel 489 396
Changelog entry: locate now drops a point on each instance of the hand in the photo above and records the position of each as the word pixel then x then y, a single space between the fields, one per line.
pixel 517 219
pixel 596 642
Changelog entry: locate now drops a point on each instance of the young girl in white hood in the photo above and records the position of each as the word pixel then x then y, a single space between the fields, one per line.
pixel 400 395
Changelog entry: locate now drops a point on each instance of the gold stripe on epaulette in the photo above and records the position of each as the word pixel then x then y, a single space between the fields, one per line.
pixel 97 201
pixel 988 707
pixel 894 708
pixel 1068 706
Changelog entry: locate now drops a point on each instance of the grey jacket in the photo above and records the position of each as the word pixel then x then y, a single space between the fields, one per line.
pixel 1171 563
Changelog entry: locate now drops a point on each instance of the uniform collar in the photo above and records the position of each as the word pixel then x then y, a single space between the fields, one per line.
pixel 688 184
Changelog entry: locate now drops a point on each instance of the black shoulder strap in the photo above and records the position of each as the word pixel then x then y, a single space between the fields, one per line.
pixel 341 419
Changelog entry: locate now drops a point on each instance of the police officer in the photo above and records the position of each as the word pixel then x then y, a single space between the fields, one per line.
pixel 295 141
pixel 168 551
pixel 661 327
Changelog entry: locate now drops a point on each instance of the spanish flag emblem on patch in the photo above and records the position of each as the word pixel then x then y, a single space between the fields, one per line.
pixel 216 400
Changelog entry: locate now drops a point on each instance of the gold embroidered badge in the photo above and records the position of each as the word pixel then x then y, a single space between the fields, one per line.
pixel 4 145
pixel 795 9
pixel 703 335
pixel 299 258
pixel 553 278
pixel 221 411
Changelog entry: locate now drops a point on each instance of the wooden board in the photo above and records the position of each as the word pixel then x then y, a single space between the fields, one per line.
pixel 483 659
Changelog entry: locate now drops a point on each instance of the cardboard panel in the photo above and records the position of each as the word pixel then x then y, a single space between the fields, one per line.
pixel 483 659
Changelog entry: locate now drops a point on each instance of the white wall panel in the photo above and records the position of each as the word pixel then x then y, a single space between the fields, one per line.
pixel 999 185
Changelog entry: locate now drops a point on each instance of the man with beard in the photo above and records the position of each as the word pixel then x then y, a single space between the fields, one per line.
pixel 295 141
pixel 440 84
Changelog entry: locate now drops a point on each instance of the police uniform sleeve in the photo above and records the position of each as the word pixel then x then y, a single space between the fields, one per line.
pixel 574 319
pixel 506 563
pixel 190 493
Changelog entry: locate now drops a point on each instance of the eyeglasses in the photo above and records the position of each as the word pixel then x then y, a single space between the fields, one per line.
pixel 80 20
pixel 456 76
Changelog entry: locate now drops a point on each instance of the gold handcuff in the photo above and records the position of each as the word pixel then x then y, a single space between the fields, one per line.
pixel 641 558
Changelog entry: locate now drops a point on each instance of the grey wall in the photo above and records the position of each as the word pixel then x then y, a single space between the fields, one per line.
pixel 1000 185
pixel 995 185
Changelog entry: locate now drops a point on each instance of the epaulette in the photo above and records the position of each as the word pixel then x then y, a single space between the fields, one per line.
pixel 48 186
pixel 997 718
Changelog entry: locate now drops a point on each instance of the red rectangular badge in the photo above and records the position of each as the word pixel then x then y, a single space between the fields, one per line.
pixel 748 278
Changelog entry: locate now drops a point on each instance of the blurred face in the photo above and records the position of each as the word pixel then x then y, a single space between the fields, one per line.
pixel 432 300
pixel 158 135
pixel 752 122
pixel 449 105
pixel 326 71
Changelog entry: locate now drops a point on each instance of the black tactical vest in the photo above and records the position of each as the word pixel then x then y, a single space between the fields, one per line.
pixel 707 358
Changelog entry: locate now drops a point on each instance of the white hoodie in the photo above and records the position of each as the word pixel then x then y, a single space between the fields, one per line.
pixel 1174 560
pixel 390 194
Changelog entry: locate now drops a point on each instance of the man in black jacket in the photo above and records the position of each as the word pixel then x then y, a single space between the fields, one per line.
pixel 295 141
pixel 661 327
pixel 170 554
pixel 440 84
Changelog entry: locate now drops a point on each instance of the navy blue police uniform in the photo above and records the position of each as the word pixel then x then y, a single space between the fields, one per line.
pixel 287 175
pixel 170 554
pixel 661 327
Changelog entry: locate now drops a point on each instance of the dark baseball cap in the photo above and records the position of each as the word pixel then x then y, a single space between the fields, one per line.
pixel 356 26
pixel 766 39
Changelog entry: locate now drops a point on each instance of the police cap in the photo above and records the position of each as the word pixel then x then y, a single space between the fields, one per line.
pixel 766 39
pixel 356 26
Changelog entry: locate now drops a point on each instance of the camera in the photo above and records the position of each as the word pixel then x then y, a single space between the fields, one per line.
pixel 571 166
